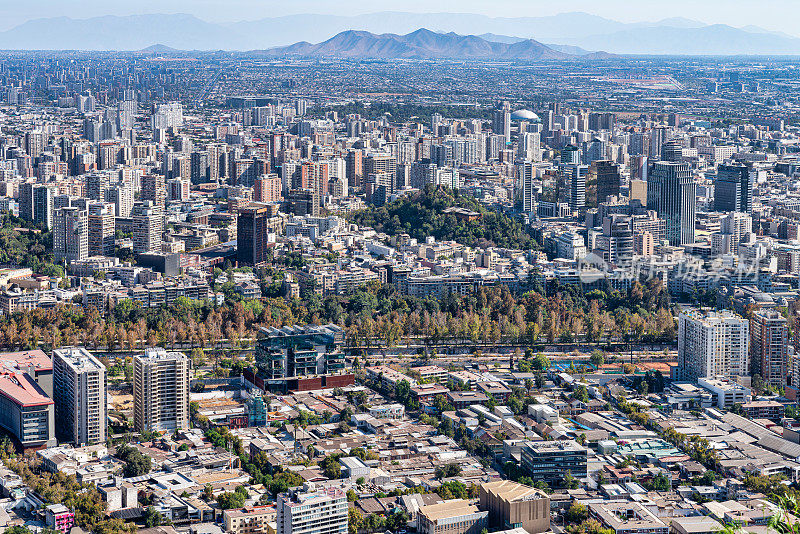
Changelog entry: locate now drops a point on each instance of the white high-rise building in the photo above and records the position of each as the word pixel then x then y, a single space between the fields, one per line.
pixel 306 511
pixel 79 392
pixel 526 172
pixel 166 116
pixel 160 390
pixel 530 148
pixel 712 344
pixel 71 234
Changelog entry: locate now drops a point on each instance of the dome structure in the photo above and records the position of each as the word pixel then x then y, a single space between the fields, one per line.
pixel 525 115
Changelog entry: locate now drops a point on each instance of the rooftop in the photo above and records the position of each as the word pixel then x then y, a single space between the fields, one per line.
pixel 22 390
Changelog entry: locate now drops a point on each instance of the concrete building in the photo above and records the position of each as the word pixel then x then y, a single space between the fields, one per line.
pixel 769 342
pixel 299 351
pixel 725 393
pixel 71 234
pixel 101 229
pixel 160 390
pixel 627 518
pixel 148 227
pixel 304 510
pixel 59 517
pixel 513 505
pixel 254 520
pixel 25 411
pixel 712 344
pixel 79 391
pixel 550 461
pixel 455 516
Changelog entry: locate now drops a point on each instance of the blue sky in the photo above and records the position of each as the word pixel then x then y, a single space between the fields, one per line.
pixel 777 15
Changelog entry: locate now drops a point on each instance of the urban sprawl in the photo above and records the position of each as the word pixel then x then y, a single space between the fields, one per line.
pixel 251 294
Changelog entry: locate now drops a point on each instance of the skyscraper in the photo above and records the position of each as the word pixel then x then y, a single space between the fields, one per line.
pixel 251 235
pixel 671 192
pixel 160 390
pixel 712 344
pixel 526 173
pixel 79 391
pixel 733 189
pixel 71 234
pixel 607 175
pixel 769 341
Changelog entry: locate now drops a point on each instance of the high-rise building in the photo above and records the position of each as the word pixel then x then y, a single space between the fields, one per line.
pixel 121 196
pixel 637 191
pixel 354 162
pixel 148 227
pixel 607 175
pixel 530 146
pixel 733 189
pixel 71 234
pixel 79 391
pixel 178 190
pixel 252 227
pixel 268 188
pixel 570 155
pixel 769 342
pixel 160 390
pixel 501 121
pixel 304 510
pixel 671 192
pixel 513 505
pixel 526 173
pixel 166 116
pixel 101 229
pixel 576 178
pixel 712 344
pixel 154 189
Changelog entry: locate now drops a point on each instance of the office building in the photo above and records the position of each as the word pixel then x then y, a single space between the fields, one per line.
pixel 513 505
pixel 725 393
pixel 769 342
pixel 26 412
pixel 79 390
pixel 252 229
pixel 733 189
pixel 71 234
pixel 454 516
pixel 712 344
pixel 606 173
pixel 160 390
pixel 550 461
pixel 671 193
pixel 304 510
pixel 292 351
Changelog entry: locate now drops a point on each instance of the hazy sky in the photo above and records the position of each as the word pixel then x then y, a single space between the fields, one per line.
pixel 780 15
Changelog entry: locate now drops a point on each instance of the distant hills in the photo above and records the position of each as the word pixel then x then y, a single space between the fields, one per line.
pixel 568 33
pixel 420 44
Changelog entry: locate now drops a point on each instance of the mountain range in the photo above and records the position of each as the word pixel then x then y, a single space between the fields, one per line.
pixel 562 33
pixel 420 44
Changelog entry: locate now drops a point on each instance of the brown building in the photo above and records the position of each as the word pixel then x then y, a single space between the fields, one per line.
pixel 512 505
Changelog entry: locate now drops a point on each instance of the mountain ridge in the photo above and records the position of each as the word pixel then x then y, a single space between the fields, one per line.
pixel 673 36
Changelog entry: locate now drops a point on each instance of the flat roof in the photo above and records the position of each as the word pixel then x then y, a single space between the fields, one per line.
pixel 25 358
pixel 451 508
pixel 513 491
